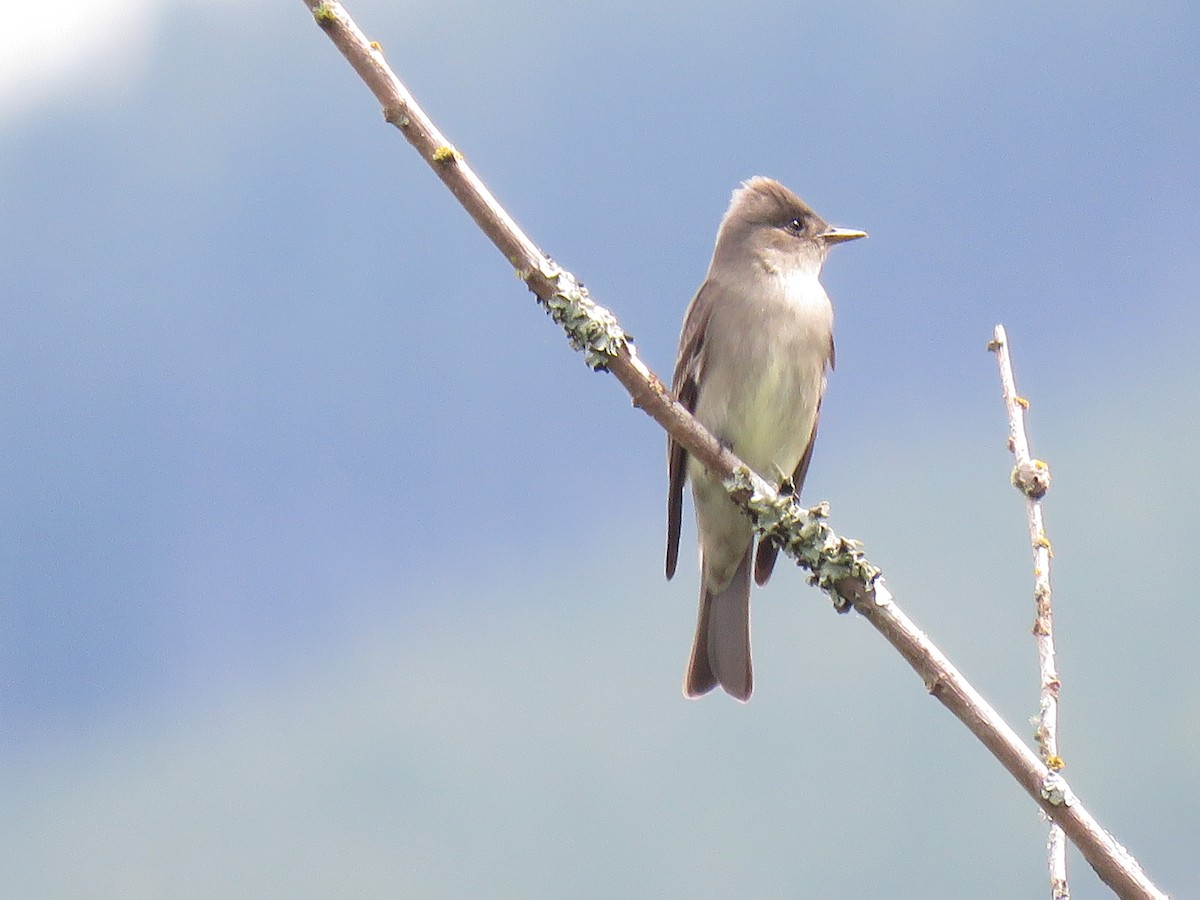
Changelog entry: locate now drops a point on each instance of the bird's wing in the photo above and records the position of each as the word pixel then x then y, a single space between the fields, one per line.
pixel 686 385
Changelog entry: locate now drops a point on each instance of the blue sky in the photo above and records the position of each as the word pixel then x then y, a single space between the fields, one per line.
pixel 328 569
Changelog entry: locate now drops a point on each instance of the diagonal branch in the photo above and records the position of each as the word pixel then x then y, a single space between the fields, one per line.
pixel 836 564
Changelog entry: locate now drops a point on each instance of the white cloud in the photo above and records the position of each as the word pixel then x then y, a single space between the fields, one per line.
pixel 65 47
pixel 70 45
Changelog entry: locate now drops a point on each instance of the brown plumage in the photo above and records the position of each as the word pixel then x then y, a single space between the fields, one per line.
pixel 756 342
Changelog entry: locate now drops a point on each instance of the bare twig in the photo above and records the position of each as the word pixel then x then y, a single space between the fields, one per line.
pixel 1032 478
pixel 837 564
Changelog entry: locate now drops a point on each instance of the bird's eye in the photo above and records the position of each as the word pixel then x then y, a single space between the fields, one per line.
pixel 796 226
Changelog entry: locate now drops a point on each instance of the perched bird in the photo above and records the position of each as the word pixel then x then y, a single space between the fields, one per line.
pixel 756 342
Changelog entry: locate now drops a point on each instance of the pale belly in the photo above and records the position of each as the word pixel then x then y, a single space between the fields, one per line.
pixel 763 378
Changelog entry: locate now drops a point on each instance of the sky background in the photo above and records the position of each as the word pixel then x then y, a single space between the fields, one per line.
pixel 329 570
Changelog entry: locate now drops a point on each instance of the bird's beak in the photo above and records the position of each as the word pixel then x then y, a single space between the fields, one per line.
pixel 838 235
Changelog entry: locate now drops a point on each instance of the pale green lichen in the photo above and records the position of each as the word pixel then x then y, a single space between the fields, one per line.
pixel 445 154
pixel 1055 790
pixel 589 326
pixel 1032 479
pixel 324 15
pixel 803 535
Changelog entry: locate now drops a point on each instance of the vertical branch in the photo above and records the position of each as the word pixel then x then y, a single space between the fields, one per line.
pixel 1032 478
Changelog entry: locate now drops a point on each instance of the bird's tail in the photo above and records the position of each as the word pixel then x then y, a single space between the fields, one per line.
pixel 721 650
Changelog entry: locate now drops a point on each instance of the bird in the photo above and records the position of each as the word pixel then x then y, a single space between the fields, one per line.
pixel 756 343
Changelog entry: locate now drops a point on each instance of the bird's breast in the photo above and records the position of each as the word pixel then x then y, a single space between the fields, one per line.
pixel 763 373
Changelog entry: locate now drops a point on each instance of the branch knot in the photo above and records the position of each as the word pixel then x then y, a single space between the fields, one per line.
pixel 1032 478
